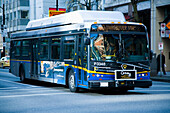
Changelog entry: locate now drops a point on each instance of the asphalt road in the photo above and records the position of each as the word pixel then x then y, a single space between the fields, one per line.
pixel 40 97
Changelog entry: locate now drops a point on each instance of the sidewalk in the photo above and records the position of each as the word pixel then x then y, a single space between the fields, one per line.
pixel 164 78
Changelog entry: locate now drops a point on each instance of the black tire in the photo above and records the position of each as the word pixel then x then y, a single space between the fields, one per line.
pixel 71 82
pixel 22 75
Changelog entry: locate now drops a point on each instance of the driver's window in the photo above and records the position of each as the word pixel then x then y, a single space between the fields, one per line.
pixel 105 47
pixel 99 45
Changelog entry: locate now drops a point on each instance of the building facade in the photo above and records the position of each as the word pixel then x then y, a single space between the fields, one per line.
pixel 16 14
pixel 73 5
pixel 19 12
pixel 151 13
pixel 40 8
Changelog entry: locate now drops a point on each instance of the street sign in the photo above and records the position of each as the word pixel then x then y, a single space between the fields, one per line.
pixel 160 46
pixel 52 12
pixel 168 25
pixel 163 25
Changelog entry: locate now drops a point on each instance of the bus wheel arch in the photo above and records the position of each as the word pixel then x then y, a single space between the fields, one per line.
pixel 67 74
pixel 70 80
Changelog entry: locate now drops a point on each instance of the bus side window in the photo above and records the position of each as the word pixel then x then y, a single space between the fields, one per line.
pixel 12 50
pixel 17 46
pixel 25 48
pixel 55 49
pixel 69 48
pixel 44 49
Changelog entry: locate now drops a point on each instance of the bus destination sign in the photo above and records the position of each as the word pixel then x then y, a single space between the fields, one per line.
pixel 117 27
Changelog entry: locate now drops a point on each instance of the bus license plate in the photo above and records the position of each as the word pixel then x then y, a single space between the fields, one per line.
pixel 103 84
pixel 125 75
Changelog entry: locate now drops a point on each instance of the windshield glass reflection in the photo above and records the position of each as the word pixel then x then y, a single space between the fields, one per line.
pixel 105 47
pixel 134 47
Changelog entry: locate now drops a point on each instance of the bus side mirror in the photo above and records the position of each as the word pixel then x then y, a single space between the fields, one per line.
pixel 87 41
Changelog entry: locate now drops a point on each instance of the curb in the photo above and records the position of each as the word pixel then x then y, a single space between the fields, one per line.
pixel 162 79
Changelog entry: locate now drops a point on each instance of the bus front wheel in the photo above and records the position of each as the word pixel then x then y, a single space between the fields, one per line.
pixel 71 82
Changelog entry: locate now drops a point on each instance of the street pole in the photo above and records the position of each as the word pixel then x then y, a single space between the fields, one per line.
pixel 56 5
pixel 161 59
pixel 160 63
pixel 153 25
pixel 103 2
pixel 162 33
pixel 2 29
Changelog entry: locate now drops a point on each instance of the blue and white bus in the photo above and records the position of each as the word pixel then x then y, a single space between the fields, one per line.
pixel 83 49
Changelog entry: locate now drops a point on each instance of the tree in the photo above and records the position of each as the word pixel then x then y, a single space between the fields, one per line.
pixel 134 4
pixel 88 4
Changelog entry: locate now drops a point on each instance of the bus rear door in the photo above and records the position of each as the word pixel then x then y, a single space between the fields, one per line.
pixel 34 59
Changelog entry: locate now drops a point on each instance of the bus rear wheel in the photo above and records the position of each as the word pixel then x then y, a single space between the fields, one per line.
pixel 71 82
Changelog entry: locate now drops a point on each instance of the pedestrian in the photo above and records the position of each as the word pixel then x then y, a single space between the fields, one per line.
pixel 163 63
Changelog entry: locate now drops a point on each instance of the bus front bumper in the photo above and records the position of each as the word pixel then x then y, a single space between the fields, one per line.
pixel 117 84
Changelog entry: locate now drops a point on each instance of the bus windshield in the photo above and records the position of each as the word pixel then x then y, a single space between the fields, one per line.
pixel 121 47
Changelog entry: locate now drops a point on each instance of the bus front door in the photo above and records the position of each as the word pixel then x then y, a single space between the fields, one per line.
pixel 82 62
pixel 34 59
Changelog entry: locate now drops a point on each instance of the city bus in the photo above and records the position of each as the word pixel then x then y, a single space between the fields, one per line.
pixel 83 49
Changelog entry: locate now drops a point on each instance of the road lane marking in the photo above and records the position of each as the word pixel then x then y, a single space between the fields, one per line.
pixel 32 86
pixel 5 72
pixel 147 90
pixel 34 89
pixel 8 92
pixel 160 86
pixel 27 89
pixel 31 95
pixel 15 82
pixel 7 88
pixel 127 98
